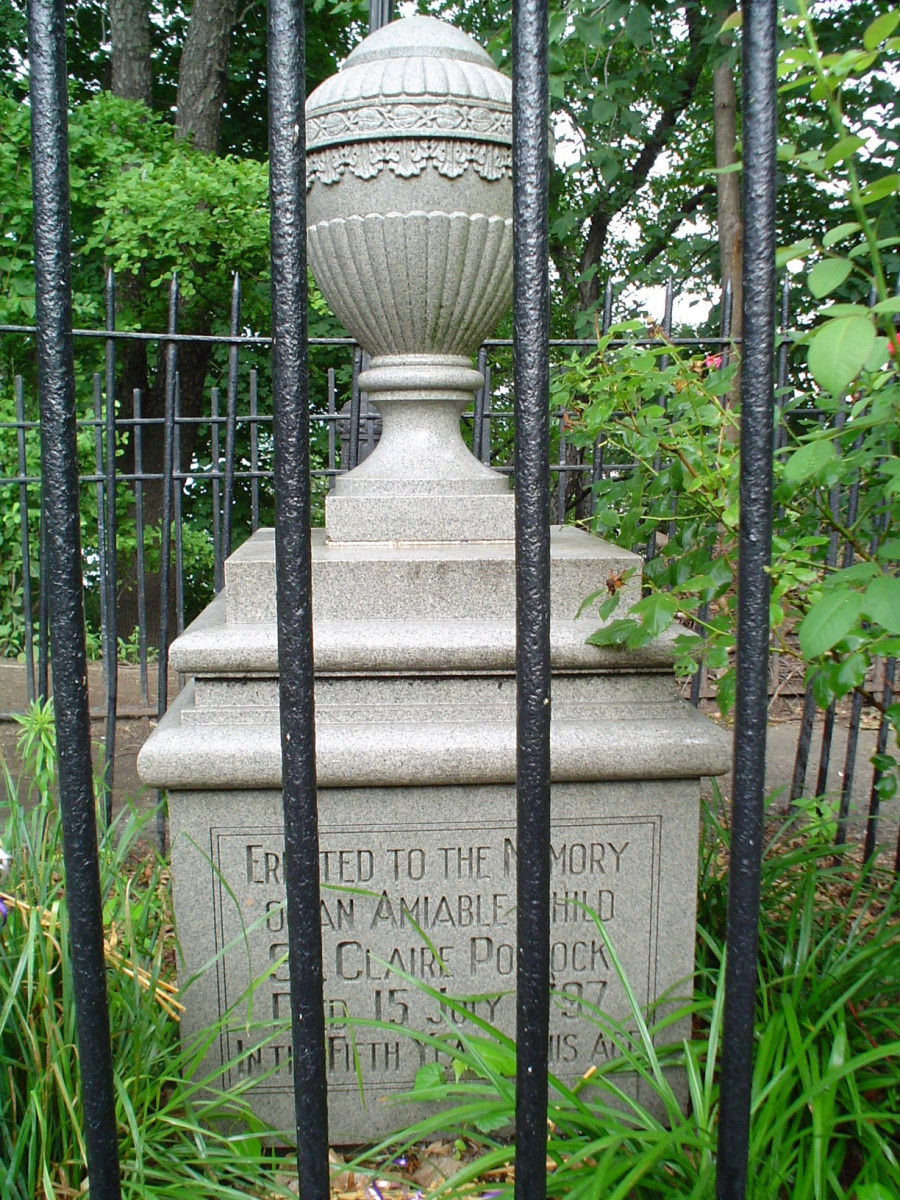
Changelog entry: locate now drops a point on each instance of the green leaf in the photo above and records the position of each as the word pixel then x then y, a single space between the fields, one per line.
pixel 852 672
pixel 880 355
pixel 657 612
pixel 733 21
pixel 843 149
pixel 892 305
pixel 838 351
pixel 840 233
pixel 885 186
pixel 428 1076
pixel 844 310
pixel 786 254
pixel 882 602
pixel 613 634
pixel 886 787
pixel 827 275
pixel 880 29
pixel 829 620
pixel 809 460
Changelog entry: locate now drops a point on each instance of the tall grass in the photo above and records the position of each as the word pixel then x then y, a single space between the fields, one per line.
pixel 825 1119
pixel 180 1138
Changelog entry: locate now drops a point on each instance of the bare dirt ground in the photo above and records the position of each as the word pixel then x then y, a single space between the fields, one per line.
pixel 136 720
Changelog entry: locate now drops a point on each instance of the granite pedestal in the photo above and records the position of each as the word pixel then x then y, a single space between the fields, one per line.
pixel 415 700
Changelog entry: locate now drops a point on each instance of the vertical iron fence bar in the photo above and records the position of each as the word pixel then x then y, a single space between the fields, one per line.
pixel 607 307
pixel 725 321
pixel 804 741
pixel 781 363
pixel 485 444
pixel 110 580
pixel 165 535
pixel 216 467
pixel 650 549
pixel 531 339
pixel 890 670
pixel 831 557
pixel 43 605
pixel 781 375
pixel 231 416
pixel 381 12
pixel 140 562
pixel 254 446
pixel 353 447
pixel 27 614
pixel 856 705
pixel 100 487
pixel 755 545
pixel 478 411
pixel 59 457
pixel 332 427
pixel 368 413
pixel 293 562
pixel 840 835
pixel 561 473
pixel 177 496
pixel 600 441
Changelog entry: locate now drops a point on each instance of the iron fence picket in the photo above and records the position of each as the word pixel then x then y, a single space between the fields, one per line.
pixel 24 539
pixel 758 58
pixel 231 417
pixel 140 561
pixel 215 464
pixel 293 580
pixel 353 445
pixel 109 633
pixel 664 360
pixel 56 387
pixel 101 486
pixel 887 698
pixel 177 491
pixel 254 446
pixel 165 536
pixel 531 365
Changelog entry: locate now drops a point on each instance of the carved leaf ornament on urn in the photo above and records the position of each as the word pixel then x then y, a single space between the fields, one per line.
pixel 409 212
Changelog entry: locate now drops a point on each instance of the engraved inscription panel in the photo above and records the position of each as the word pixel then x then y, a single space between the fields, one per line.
pixel 418 901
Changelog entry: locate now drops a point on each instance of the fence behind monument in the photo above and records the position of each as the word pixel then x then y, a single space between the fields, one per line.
pixel 208 484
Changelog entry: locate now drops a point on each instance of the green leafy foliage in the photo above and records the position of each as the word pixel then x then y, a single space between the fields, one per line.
pixel 671 451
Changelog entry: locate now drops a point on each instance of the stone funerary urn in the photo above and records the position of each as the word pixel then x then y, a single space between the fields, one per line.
pixel 410 240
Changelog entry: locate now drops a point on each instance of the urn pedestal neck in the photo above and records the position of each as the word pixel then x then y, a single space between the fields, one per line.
pixel 410 239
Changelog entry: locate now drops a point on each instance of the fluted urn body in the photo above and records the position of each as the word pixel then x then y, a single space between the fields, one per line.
pixel 409 211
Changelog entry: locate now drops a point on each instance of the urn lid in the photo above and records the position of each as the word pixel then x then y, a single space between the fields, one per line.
pixel 412 78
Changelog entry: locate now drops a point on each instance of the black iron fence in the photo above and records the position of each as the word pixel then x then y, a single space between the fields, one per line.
pixel 63 568
pixel 167 491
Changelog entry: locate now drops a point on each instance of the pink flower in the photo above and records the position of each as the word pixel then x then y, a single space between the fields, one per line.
pixel 713 361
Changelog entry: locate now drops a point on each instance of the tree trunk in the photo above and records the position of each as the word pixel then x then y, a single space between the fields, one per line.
pixel 728 198
pixel 132 75
pixel 201 75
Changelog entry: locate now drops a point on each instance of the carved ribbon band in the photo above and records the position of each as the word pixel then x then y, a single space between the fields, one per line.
pixel 441 119
pixel 451 159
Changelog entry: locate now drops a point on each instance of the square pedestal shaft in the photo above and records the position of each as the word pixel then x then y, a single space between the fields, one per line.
pixel 416 764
